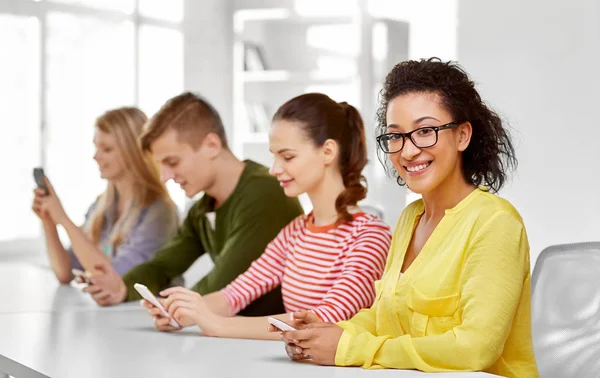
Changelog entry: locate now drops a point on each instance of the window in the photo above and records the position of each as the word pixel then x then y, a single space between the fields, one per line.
pixel 160 78
pixel 171 10
pixel 20 148
pixel 90 69
pixel 124 6
pixel 90 56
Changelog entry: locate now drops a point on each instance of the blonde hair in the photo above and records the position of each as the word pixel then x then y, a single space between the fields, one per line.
pixel 126 125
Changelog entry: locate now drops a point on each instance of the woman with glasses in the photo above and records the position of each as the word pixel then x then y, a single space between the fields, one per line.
pixel 455 294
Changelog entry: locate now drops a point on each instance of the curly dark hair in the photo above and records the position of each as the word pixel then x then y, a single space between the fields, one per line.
pixel 490 154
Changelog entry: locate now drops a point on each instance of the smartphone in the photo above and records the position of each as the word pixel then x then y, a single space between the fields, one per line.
pixel 280 325
pixel 38 176
pixel 81 274
pixel 147 295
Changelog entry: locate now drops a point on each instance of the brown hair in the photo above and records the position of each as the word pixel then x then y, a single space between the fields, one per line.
pixel 321 119
pixel 190 115
pixel 126 124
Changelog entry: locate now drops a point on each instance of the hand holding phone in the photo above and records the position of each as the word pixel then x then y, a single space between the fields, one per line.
pixel 38 176
pixel 82 275
pixel 147 295
pixel 280 325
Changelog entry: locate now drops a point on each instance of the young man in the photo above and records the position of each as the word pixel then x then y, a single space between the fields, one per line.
pixel 242 210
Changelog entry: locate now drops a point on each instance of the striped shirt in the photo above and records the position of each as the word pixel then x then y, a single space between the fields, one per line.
pixel 329 270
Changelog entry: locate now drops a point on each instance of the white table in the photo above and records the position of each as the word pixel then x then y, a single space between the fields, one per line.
pixel 30 287
pixel 65 336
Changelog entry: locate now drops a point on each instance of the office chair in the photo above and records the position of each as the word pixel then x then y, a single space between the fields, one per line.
pixel 565 309
pixel 372 209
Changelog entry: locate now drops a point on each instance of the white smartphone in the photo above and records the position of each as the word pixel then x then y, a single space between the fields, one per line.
pixel 147 295
pixel 280 325
pixel 81 274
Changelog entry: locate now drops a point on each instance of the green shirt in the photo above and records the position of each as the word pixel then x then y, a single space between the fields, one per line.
pixel 241 229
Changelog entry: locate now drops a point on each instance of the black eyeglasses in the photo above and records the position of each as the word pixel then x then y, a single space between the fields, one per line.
pixel 423 137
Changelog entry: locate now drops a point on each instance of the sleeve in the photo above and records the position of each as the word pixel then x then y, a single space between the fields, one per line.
pixel 157 226
pixel 264 274
pixel 256 222
pixel 494 273
pixel 364 264
pixel 172 260
pixel 364 320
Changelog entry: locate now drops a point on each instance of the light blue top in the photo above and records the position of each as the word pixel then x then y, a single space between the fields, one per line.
pixel 156 224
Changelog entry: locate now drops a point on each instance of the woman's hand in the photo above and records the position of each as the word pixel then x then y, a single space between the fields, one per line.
pixel 318 342
pixel 161 322
pixel 38 195
pixel 299 320
pixel 188 307
pixel 49 206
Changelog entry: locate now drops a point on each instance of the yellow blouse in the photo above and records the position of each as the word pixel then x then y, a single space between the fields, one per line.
pixel 464 303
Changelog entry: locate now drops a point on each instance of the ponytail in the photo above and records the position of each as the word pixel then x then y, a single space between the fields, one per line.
pixel 353 159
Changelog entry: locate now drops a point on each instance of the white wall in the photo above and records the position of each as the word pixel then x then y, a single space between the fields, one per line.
pixel 537 62
pixel 432 24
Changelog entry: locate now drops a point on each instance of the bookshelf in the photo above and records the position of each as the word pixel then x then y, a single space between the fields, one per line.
pixel 279 54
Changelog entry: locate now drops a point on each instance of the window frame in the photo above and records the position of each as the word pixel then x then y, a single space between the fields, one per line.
pixel 40 10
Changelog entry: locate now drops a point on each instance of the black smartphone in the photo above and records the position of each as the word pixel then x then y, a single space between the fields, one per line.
pixel 38 176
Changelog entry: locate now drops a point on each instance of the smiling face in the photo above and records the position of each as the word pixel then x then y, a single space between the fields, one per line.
pixel 425 169
pixel 108 156
pixel 193 169
pixel 298 164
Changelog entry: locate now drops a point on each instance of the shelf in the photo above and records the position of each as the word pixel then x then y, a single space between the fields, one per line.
pixel 306 53
pixel 283 76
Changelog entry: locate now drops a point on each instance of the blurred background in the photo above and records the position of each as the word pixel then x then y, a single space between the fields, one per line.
pixel 64 62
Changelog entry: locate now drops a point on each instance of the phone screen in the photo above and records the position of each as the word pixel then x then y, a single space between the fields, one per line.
pixel 38 176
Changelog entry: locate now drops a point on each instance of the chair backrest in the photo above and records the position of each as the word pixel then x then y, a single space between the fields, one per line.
pixel 565 310
pixel 375 210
